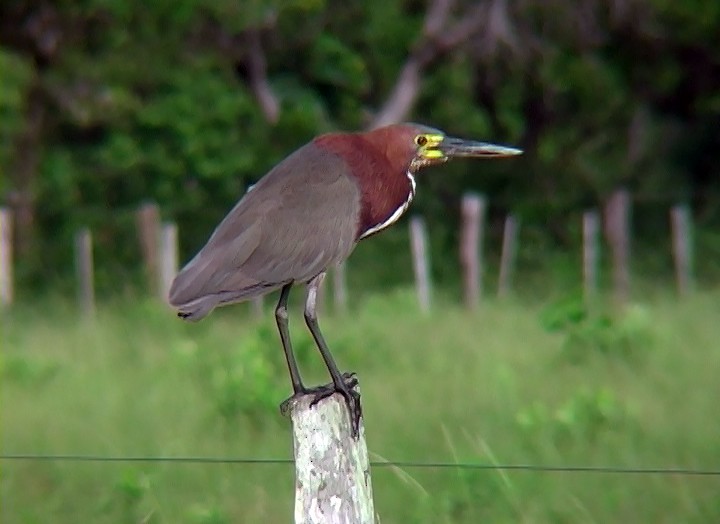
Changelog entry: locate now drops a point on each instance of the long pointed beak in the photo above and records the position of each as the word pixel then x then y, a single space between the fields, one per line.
pixel 456 147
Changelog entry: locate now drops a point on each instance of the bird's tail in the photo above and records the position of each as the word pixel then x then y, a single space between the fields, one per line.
pixel 198 289
pixel 188 292
pixel 197 309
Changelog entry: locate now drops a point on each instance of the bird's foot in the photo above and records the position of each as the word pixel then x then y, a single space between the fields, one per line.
pixel 346 388
pixel 352 398
pixel 350 380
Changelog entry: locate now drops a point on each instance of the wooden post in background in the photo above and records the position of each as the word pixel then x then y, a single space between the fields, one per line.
pixel 591 253
pixel 168 258
pixel 258 305
pixel 418 242
pixel 148 224
pixel 339 288
pixel 332 469
pixel 85 272
pixel 471 236
pixel 681 227
pixel 6 257
pixel 507 258
pixel 617 232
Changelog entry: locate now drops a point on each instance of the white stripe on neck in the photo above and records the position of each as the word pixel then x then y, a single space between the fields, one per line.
pixel 398 212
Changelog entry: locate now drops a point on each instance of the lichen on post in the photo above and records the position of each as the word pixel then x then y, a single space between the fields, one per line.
pixel 332 469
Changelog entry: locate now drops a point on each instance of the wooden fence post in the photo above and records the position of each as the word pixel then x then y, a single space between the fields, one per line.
pixel 258 305
pixel 591 252
pixel 617 232
pixel 168 258
pixel 85 272
pixel 148 224
pixel 507 258
pixel 339 288
pixel 6 257
pixel 681 226
pixel 471 236
pixel 418 242
pixel 332 469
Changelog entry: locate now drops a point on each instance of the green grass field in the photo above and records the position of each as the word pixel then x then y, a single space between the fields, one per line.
pixel 512 383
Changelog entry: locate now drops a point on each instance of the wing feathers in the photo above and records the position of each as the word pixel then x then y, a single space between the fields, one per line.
pixel 299 219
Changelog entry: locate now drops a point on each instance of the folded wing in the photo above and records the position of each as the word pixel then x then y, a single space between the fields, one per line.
pixel 299 219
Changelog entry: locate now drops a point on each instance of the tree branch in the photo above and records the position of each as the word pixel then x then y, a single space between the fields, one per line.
pixel 498 29
pixel 436 17
pixel 245 51
pixel 257 73
pixel 436 40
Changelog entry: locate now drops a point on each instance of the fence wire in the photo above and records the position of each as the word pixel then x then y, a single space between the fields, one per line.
pixel 533 468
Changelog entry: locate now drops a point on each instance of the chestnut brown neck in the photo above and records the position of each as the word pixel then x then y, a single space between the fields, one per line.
pixel 385 185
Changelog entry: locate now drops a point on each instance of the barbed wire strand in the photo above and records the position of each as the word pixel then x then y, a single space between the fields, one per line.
pixel 541 468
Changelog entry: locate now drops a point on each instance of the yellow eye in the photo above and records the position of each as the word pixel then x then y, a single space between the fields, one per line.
pixel 421 140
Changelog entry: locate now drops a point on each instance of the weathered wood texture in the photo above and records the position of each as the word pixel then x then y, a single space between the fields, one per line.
pixel 418 242
pixel 6 258
pixel 85 272
pixel 471 236
pixel 258 306
pixel 507 257
pixel 148 225
pixel 617 232
pixel 591 252
pixel 681 225
pixel 168 258
pixel 332 469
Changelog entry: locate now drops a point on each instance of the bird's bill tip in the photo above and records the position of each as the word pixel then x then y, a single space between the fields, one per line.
pixel 456 147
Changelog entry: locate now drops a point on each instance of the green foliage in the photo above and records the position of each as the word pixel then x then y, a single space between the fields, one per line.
pixel 27 371
pixel 241 379
pixel 207 515
pixel 693 21
pixel 335 64
pixel 467 495
pixel 132 487
pixel 584 417
pixel 564 314
pixel 626 334
pixel 457 387
pixel 17 78
pixel 155 101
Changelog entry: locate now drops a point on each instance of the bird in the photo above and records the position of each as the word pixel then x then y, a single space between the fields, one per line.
pixel 306 215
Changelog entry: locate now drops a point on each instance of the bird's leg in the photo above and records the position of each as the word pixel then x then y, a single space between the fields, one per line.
pixel 281 316
pixel 343 384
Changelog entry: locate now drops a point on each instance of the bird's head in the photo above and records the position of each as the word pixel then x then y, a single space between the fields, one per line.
pixel 411 147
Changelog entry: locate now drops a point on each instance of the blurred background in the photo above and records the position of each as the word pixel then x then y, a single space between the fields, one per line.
pixel 596 343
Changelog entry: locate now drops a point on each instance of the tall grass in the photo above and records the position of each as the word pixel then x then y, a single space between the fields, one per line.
pixel 510 383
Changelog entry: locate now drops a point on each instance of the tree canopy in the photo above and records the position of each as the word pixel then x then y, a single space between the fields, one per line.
pixel 107 103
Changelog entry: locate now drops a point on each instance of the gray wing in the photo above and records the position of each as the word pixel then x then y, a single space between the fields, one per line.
pixel 295 222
